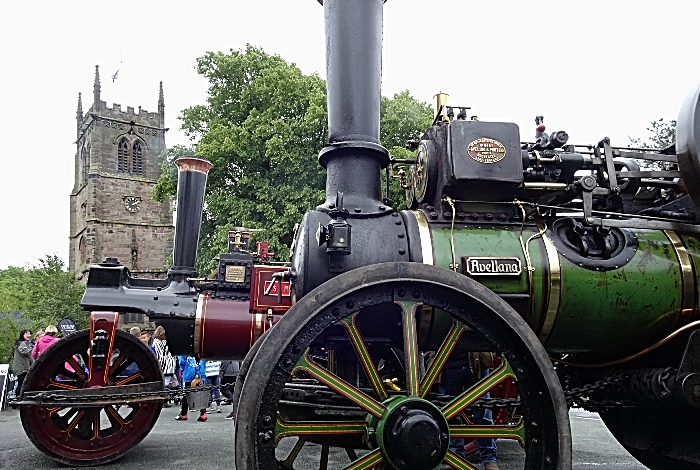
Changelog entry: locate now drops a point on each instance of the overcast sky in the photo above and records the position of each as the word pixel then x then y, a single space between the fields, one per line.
pixel 594 69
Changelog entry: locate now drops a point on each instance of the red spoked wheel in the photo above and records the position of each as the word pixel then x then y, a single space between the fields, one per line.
pixel 90 435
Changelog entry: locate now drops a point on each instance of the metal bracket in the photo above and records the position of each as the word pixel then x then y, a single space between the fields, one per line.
pixel 103 329
pixel 688 376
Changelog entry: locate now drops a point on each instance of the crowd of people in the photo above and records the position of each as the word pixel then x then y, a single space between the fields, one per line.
pixel 187 371
pixel 27 349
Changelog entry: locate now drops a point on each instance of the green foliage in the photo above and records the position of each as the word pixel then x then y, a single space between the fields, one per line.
pixel 262 128
pixel 403 118
pixel 41 295
pixel 662 134
pixel 167 183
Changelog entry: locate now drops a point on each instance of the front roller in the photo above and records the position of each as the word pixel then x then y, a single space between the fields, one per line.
pixel 341 382
pixel 83 420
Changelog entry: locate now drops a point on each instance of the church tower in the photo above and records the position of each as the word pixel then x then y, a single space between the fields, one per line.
pixel 117 165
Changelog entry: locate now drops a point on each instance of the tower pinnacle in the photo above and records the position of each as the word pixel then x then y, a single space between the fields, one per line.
pixel 96 89
pixel 79 113
pixel 161 105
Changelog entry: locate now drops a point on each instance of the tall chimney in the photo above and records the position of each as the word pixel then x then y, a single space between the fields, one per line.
pixel 191 183
pixel 354 156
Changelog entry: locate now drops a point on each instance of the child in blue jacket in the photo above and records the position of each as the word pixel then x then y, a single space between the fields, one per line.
pixel 191 369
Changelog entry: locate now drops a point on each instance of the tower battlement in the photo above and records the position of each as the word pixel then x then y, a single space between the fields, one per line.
pixel 139 115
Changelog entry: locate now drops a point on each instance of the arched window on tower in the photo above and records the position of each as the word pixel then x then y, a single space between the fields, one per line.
pixel 85 157
pixel 123 156
pixel 137 159
pixel 82 250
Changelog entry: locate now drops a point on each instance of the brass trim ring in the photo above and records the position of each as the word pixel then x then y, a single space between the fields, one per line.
pixel 198 337
pixel 554 290
pixel 426 244
pixel 687 277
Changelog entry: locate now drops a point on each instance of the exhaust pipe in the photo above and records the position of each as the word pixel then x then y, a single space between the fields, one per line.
pixel 354 156
pixel 191 184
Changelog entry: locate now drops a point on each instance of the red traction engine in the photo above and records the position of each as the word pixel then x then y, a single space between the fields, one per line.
pixel 219 317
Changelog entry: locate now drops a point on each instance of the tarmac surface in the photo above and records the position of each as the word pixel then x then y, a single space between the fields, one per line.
pixel 209 445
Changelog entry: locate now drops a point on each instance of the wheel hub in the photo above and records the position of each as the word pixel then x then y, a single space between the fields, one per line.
pixel 413 434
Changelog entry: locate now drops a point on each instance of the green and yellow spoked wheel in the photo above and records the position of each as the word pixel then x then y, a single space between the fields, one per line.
pixel 349 378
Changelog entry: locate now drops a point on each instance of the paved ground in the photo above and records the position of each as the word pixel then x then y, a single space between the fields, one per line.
pixel 203 446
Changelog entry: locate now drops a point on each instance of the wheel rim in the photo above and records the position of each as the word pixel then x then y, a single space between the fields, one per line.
pixel 290 357
pixel 89 436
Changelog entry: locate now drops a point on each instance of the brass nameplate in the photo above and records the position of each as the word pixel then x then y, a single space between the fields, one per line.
pixel 485 150
pixel 235 273
pixel 492 266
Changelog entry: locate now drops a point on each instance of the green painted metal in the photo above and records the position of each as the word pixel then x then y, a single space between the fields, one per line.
pixel 692 245
pixel 410 342
pixel 515 431
pixel 601 313
pixel 392 404
pixel 478 390
pixel 622 310
pixel 364 356
pixel 317 428
pixel 501 242
pixel 368 403
pixel 441 356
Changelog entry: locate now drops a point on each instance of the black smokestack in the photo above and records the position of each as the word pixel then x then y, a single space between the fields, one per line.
pixel 191 183
pixel 354 157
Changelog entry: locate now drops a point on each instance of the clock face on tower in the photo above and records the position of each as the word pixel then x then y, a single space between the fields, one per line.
pixel 132 203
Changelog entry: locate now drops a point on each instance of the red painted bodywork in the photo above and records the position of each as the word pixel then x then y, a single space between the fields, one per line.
pixel 98 369
pixel 227 329
pixel 259 302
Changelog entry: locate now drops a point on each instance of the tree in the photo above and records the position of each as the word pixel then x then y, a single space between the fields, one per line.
pixel 662 135
pixel 167 183
pixel 36 296
pixel 262 128
pixel 403 119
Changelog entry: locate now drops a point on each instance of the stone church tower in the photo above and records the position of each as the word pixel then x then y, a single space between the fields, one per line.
pixel 112 213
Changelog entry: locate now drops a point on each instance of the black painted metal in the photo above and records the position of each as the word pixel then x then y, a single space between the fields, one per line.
pixel 659 438
pixel 596 248
pixel 190 205
pixel 416 436
pixel 374 240
pixel 354 69
pixel 354 78
pixel 169 302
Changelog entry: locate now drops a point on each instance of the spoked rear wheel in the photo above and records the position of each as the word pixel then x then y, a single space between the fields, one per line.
pixel 327 389
pixel 86 436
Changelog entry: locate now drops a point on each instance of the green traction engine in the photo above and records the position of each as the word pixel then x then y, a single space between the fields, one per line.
pixel 526 276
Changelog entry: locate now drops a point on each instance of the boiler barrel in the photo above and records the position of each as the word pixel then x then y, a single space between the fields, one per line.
pixel 603 311
pixel 226 329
